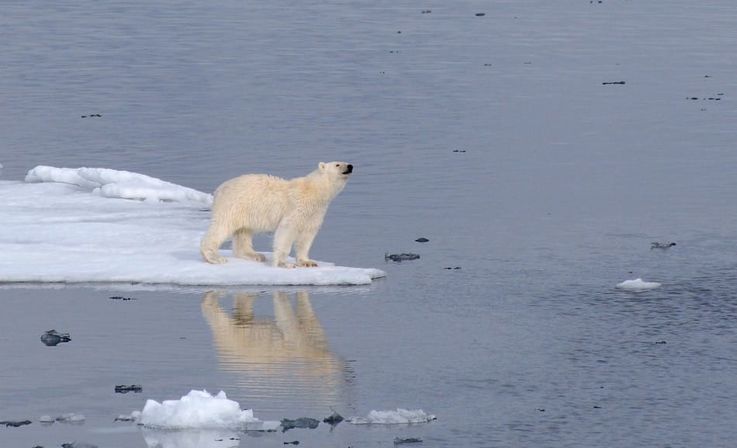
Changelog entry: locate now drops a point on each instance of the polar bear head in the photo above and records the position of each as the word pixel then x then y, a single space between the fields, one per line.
pixel 340 170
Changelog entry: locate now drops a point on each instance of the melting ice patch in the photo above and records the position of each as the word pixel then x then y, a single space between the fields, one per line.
pixel 400 416
pixel 638 285
pixel 201 410
pixel 64 228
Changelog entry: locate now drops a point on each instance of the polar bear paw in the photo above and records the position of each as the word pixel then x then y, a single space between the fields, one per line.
pixel 255 256
pixel 284 264
pixel 216 259
pixel 307 263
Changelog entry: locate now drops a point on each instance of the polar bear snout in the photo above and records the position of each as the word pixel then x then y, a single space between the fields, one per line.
pixel 348 169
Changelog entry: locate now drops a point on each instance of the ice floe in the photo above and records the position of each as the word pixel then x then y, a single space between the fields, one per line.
pixel 71 226
pixel 201 410
pixel 638 285
pixel 398 417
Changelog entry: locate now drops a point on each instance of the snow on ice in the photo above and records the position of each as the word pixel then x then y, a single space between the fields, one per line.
pixel 72 226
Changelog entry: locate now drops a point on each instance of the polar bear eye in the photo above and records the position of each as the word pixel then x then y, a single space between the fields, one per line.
pixel 337 164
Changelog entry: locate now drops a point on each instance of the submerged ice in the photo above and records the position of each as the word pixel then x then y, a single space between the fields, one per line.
pixel 71 226
pixel 398 417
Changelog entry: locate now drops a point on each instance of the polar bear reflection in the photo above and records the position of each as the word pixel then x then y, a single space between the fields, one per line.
pixel 284 358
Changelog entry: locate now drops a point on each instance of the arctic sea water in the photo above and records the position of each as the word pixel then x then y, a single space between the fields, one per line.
pixel 540 147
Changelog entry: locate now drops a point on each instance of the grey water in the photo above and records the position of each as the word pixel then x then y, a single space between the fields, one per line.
pixel 493 136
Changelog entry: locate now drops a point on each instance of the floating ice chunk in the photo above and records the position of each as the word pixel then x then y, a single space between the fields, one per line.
pixel 637 285
pixel 47 419
pixel 400 416
pixel 119 184
pixel 71 418
pixel 200 410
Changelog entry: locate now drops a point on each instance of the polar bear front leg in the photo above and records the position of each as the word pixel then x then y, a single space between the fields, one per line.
pixel 283 240
pixel 243 246
pixel 302 249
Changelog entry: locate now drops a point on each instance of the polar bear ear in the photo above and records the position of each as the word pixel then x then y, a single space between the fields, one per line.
pixel 322 166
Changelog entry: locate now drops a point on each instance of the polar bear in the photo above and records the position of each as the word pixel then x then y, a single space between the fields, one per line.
pixel 255 203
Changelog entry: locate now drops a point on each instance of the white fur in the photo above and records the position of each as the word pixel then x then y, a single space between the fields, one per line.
pixel 257 203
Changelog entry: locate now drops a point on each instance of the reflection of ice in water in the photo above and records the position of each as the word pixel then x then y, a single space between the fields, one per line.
pixel 284 357
pixel 191 439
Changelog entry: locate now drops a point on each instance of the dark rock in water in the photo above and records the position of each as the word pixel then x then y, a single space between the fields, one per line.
pixel 459 150
pixel 333 419
pixel 302 422
pixel 122 298
pixel 123 389
pixel 400 441
pixel 662 245
pixel 16 424
pixel 78 445
pixel 621 83
pixel 426 11
pixel 53 337
pixel 480 14
pixel 452 268
pixel 661 342
pixel 296 442
pixel 400 257
pixel 422 240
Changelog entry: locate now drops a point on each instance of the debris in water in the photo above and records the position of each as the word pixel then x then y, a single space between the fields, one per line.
pixel 621 83
pixel 122 298
pixel 125 418
pixel 123 389
pixel 15 424
pixel 52 338
pixel 662 245
pixel 302 422
pixel 400 257
pixel 422 240
pixel 333 419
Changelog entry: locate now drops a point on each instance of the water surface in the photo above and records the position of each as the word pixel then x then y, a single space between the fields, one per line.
pixel 563 184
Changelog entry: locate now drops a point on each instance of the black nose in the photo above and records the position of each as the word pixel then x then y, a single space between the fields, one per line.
pixel 350 168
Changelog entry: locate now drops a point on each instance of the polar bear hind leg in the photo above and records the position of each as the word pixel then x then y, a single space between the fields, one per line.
pixel 243 246
pixel 213 239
